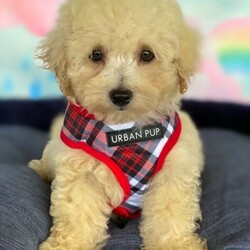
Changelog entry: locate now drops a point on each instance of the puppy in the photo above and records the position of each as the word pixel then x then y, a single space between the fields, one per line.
pixel 124 150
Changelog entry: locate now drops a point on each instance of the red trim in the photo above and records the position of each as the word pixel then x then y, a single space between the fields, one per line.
pixel 168 146
pixel 120 176
pixel 121 211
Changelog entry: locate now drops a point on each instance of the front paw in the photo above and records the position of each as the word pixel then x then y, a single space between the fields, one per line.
pixel 52 244
pixel 187 243
pixel 44 246
pixel 48 246
pixel 190 243
pixel 70 243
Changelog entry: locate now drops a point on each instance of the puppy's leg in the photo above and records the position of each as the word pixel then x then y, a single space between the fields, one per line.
pixel 171 206
pixel 169 216
pixel 44 167
pixel 80 207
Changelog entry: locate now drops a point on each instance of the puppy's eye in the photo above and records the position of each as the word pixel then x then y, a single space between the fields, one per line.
pixel 96 55
pixel 147 56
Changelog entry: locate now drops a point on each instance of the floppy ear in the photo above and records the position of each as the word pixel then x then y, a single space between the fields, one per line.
pixel 52 51
pixel 188 57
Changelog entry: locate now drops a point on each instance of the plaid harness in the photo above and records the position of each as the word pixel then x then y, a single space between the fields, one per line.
pixel 133 164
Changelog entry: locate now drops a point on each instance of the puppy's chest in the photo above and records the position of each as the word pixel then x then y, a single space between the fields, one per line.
pixel 133 153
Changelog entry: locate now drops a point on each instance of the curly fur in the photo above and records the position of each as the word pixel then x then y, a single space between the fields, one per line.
pixel 84 190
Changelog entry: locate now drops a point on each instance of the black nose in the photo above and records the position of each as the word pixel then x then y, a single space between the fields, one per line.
pixel 121 97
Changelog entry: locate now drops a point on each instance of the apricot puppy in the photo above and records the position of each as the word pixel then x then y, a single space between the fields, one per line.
pixel 124 149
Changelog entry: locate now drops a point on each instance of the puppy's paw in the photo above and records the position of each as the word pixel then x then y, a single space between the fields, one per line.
pixel 57 243
pixel 37 166
pixel 49 244
pixel 187 243
pixel 45 246
pixel 53 243
pixel 190 243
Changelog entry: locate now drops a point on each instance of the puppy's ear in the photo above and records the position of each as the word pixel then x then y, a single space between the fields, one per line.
pixel 52 51
pixel 188 57
pixel 183 75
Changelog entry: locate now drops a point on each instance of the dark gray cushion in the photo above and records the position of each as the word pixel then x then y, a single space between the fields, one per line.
pixel 226 190
pixel 24 197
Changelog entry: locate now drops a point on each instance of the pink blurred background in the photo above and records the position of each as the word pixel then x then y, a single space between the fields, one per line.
pixel 224 70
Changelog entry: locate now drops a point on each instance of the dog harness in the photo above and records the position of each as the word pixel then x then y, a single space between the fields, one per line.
pixel 133 153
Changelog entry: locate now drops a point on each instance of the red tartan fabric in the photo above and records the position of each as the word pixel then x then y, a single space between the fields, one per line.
pixel 133 164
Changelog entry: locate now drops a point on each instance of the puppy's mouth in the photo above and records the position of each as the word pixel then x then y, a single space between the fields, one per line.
pixel 122 108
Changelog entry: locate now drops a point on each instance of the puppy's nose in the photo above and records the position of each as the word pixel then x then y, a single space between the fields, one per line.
pixel 121 97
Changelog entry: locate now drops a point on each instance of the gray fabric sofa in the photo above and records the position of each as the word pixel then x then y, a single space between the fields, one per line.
pixel 25 198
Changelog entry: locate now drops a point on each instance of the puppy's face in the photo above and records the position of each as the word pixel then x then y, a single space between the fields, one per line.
pixel 120 59
pixel 123 77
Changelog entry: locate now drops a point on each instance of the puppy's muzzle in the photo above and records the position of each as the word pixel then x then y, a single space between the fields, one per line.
pixel 121 97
